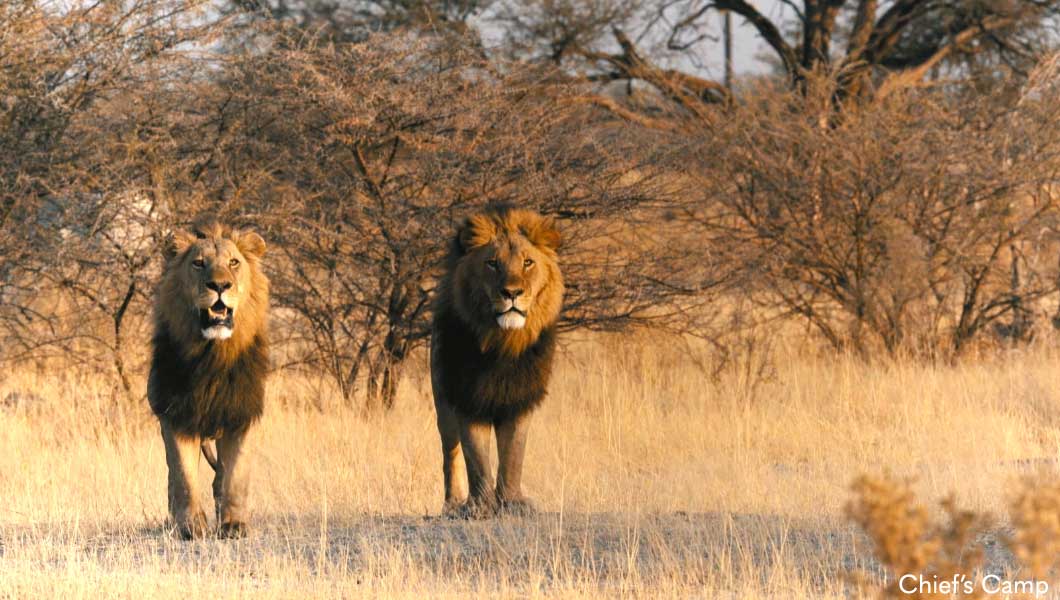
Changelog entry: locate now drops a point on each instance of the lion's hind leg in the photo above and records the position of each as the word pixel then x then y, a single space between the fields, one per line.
pixel 182 458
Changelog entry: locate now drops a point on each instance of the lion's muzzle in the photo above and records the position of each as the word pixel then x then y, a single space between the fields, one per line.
pixel 510 316
pixel 217 321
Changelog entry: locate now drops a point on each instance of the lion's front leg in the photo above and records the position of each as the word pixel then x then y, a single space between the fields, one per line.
pixel 182 458
pixel 475 438
pixel 453 472
pixel 232 484
pixel 511 450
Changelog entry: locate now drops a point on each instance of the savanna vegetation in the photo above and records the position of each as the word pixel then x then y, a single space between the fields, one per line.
pixel 846 265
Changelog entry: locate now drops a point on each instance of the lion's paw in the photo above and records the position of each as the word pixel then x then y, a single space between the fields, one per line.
pixel 194 527
pixel 519 507
pixel 232 530
pixel 453 508
pixel 483 508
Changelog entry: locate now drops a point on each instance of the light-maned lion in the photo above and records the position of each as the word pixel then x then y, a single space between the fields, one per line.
pixel 208 366
pixel 492 343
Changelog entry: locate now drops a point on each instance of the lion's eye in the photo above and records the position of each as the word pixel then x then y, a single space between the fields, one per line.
pixel 234 263
pixel 198 263
pixel 491 263
pixel 528 263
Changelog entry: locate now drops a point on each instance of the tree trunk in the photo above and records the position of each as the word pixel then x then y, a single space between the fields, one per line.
pixel 727 27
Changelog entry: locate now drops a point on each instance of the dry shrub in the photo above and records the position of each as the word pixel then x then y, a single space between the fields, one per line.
pixel 915 225
pixel 908 541
pixel 72 273
pixel 742 357
pixel 1036 520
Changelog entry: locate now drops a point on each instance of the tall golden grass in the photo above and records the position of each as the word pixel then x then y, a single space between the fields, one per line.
pixel 654 476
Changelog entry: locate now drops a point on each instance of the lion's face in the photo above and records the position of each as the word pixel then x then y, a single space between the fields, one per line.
pixel 508 276
pixel 215 275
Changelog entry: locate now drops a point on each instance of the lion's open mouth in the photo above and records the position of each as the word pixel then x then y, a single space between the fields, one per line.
pixel 216 321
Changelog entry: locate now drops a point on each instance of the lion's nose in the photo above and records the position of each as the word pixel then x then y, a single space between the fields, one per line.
pixel 219 286
pixel 512 293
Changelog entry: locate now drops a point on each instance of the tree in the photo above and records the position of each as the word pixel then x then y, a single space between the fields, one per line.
pixel 355 20
pixel 902 228
pixel 71 271
pixel 874 46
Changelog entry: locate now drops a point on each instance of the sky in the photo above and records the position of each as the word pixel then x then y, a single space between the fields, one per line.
pixel 747 47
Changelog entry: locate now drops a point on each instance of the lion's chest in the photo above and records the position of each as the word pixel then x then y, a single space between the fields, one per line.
pixel 202 395
pixel 486 385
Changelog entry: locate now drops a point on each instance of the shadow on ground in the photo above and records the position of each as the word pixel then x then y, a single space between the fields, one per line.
pixel 716 549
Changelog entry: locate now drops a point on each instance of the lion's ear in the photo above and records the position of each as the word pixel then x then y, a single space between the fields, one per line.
pixel 545 234
pixel 251 244
pixel 477 231
pixel 176 243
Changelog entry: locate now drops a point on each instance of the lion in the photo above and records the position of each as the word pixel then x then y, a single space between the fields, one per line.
pixel 210 356
pixel 493 339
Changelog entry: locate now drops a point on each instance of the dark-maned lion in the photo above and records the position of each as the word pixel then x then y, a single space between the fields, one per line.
pixel 208 366
pixel 492 343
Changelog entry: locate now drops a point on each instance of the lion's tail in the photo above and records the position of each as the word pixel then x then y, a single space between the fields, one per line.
pixel 209 451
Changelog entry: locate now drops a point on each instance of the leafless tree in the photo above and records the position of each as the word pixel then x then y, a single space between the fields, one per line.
pixel 71 272
pixel 355 20
pixel 873 47
pixel 894 228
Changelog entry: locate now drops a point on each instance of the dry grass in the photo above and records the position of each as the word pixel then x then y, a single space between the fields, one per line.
pixel 653 481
